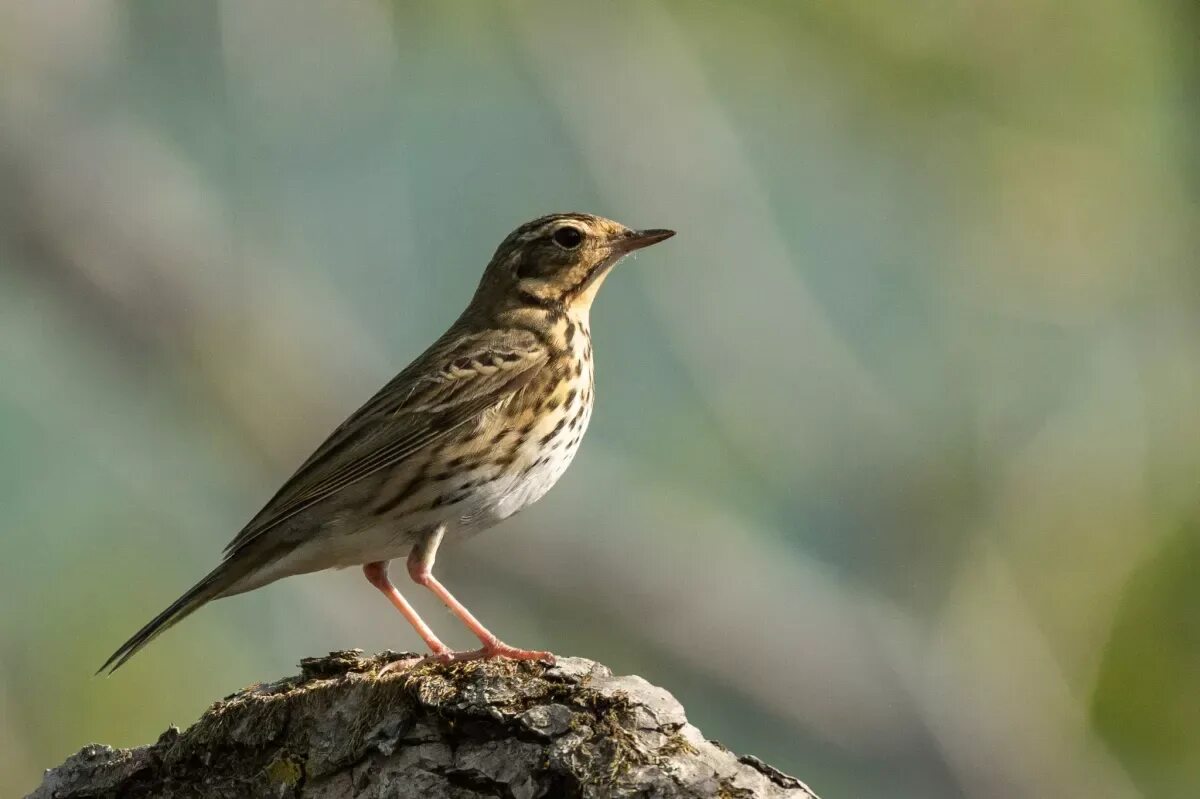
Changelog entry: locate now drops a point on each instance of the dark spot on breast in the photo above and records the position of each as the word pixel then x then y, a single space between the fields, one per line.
pixel 557 429
pixel 392 502
pixel 570 396
pixel 499 436
pixel 570 332
pixel 455 463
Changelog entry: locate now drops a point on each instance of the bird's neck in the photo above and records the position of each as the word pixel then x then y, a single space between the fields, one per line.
pixel 557 327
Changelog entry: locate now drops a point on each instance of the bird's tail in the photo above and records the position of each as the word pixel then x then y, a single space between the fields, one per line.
pixel 214 585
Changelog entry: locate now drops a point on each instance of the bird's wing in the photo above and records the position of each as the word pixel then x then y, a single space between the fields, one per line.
pixel 452 384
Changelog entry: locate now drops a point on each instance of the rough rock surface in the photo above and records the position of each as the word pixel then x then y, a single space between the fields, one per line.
pixel 464 730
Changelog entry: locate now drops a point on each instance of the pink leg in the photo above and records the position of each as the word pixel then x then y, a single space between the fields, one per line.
pixel 420 568
pixel 377 575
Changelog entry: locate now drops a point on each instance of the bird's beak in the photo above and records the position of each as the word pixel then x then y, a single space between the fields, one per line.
pixel 637 239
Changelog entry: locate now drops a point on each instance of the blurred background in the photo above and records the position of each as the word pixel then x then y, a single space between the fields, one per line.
pixel 894 476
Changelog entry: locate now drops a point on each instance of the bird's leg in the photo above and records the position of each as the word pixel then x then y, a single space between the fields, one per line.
pixel 420 569
pixel 377 575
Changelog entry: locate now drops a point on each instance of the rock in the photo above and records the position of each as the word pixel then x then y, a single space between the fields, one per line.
pixel 430 731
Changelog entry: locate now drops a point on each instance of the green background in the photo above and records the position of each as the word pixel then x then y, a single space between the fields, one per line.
pixel 894 473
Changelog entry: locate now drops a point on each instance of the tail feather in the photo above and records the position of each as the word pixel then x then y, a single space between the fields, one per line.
pixel 218 581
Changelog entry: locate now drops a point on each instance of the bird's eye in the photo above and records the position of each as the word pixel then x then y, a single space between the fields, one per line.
pixel 568 237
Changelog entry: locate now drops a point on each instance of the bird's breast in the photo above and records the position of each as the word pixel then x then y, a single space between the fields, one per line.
pixel 492 470
pixel 536 437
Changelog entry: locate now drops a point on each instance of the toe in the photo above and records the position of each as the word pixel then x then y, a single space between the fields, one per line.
pixel 512 653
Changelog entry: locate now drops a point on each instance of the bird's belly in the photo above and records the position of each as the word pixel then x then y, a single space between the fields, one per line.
pixel 526 461
pixel 495 500
pixel 336 545
pixel 531 484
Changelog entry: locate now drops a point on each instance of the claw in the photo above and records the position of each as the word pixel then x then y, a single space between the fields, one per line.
pixel 499 650
pixel 503 650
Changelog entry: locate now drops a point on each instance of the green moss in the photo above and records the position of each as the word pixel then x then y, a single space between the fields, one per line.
pixel 285 771
pixel 676 745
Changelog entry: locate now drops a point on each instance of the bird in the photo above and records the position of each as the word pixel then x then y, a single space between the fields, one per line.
pixel 478 427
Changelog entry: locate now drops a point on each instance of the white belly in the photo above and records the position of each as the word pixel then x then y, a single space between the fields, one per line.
pixel 502 498
pixel 538 467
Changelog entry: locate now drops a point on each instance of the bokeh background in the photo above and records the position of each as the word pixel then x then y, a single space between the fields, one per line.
pixel 894 476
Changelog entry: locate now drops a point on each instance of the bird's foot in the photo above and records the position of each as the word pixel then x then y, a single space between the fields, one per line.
pixel 498 649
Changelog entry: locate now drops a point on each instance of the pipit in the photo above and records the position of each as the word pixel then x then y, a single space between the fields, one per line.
pixel 479 426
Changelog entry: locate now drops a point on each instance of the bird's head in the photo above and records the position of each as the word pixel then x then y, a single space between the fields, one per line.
pixel 560 260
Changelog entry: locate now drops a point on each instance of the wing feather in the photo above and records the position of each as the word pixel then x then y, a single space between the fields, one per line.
pixel 452 384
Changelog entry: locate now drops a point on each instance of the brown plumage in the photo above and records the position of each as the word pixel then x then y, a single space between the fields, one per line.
pixel 479 426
